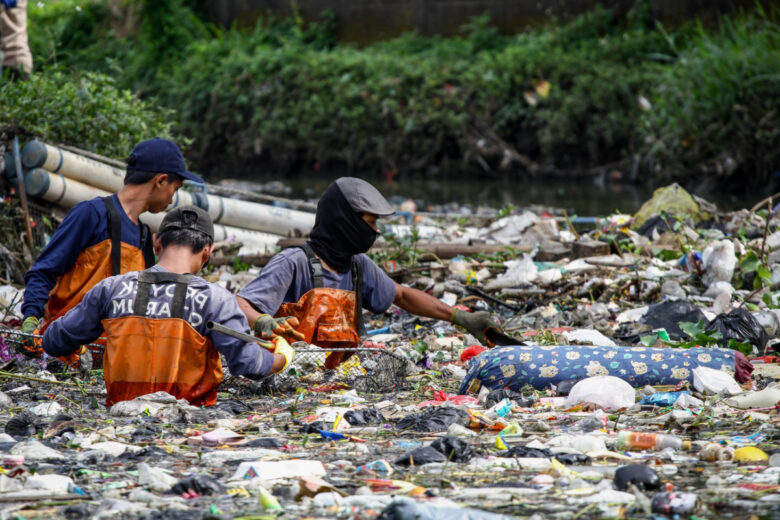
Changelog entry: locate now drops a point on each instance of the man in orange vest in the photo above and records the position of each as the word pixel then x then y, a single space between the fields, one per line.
pixel 317 292
pixel 102 237
pixel 155 322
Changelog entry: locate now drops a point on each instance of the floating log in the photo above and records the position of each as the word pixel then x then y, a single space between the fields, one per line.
pixel 430 251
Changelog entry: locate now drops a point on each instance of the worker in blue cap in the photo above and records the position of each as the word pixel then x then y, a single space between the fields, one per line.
pixel 102 237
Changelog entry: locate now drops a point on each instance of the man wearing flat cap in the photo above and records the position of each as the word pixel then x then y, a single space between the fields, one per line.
pixel 155 321
pixel 316 292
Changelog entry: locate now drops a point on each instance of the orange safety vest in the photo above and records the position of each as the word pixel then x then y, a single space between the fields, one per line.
pixel 145 355
pixel 329 318
pixel 107 258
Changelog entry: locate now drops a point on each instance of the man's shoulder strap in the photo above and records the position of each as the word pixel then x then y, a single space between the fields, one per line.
pixel 357 285
pixel 115 234
pixel 315 265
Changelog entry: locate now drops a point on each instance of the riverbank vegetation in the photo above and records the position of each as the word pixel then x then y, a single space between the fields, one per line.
pixel 595 94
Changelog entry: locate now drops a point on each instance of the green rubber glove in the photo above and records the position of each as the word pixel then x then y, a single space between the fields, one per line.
pixel 28 346
pixel 475 323
pixel 267 327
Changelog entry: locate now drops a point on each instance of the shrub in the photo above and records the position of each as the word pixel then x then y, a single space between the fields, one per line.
pixel 87 111
pixel 717 108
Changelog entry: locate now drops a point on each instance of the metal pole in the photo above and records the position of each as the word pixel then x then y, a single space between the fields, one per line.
pixel 227 331
pixel 22 194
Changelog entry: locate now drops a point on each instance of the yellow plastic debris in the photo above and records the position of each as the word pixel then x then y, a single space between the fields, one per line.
pixel 750 454
pixel 674 200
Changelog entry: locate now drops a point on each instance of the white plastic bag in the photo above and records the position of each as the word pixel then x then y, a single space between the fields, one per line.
pixel 608 392
pixel 710 381
pixel 719 261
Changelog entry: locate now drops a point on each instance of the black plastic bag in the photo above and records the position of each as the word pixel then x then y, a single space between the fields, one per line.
pixel 641 476
pixel 420 456
pixel 656 223
pixel 522 452
pixel 433 419
pixel 364 417
pixel 265 442
pixel 454 449
pixel 314 427
pixel 24 425
pixel 668 315
pixel 564 387
pixel 496 396
pixel 200 484
pixel 573 458
pixel 233 406
pixel 740 326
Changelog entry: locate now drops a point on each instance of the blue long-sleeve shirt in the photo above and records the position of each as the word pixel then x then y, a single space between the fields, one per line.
pixel 85 225
pixel 114 297
pixel 287 277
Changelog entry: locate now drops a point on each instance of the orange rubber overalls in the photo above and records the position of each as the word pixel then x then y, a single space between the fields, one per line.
pixel 107 258
pixel 329 318
pixel 145 355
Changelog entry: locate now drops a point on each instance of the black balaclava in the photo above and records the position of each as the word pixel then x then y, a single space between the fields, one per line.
pixel 339 231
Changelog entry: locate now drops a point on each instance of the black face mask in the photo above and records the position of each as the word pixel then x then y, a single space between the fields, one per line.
pixel 339 231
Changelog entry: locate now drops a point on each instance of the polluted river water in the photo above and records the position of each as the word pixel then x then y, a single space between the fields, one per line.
pixel 620 381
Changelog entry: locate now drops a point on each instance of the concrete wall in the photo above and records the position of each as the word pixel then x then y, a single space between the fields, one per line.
pixel 365 21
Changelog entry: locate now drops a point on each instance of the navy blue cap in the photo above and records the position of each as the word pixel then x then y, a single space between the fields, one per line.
pixel 160 156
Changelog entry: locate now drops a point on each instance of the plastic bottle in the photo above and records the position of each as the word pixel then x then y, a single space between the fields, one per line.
pixel 650 441
pixel 714 452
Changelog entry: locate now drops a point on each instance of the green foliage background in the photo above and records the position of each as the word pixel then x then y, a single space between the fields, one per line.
pixel 626 93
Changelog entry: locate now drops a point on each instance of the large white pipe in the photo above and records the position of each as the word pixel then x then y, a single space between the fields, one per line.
pixel 261 217
pixel 67 193
pixel 230 212
pixel 73 166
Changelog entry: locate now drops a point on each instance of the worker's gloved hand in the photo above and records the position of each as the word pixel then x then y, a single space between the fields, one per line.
pixel 475 323
pixel 29 346
pixel 284 349
pixel 267 327
pixel 85 363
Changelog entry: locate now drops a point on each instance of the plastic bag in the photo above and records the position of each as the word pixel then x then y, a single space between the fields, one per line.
pixel 719 261
pixel 364 417
pixel 710 381
pixel 662 398
pixel 420 456
pixel 607 392
pixel 740 326
pixel 668 315
pixel 432 419
pixel 200 484
pixel 454 449
pixel 24 425
pixel 641 476
pixel 401 509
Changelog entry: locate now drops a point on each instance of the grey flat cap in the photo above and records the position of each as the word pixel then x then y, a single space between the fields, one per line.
pixel 362 196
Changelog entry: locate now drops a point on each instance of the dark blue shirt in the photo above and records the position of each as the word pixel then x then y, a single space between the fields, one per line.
pixel 287 277
pixel 85 225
